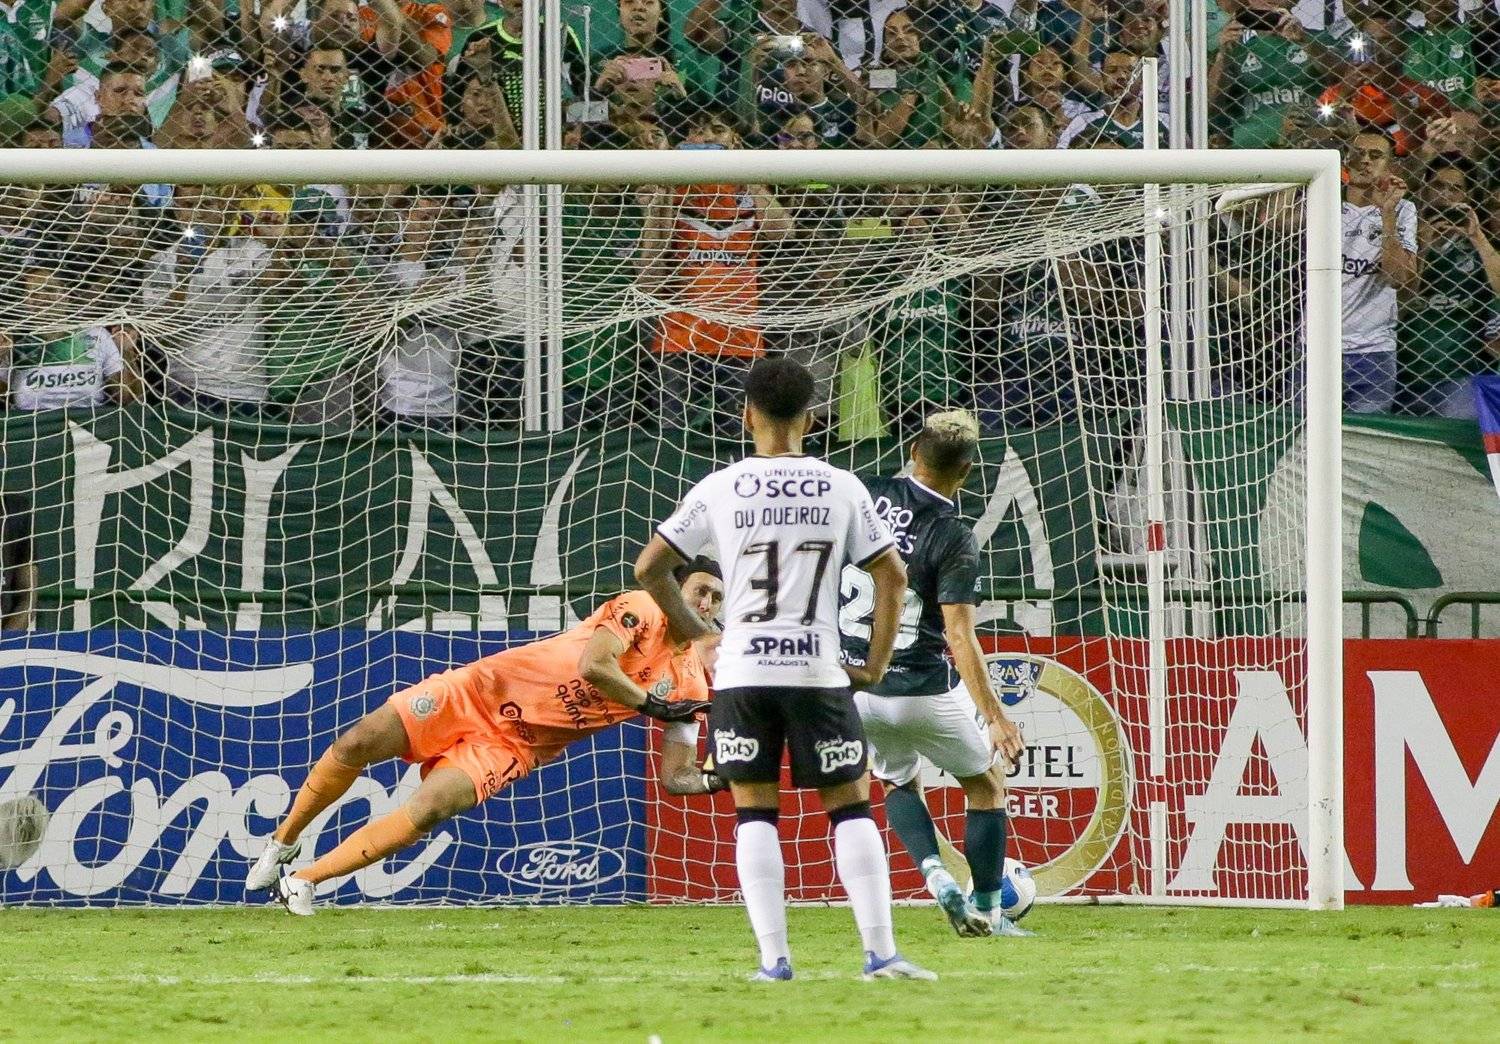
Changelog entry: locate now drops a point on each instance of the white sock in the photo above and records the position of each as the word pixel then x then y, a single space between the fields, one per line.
pixel 866 877
pixel 757 855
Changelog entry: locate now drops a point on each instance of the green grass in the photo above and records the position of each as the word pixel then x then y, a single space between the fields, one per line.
pixel 677 973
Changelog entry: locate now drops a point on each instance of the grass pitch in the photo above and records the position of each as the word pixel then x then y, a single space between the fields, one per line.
pixel 631 974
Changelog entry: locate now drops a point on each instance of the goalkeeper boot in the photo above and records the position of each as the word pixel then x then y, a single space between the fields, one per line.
pixel 267 868
pixel 296 895
pixel 894 967
pixel 781 973
pixel 966 920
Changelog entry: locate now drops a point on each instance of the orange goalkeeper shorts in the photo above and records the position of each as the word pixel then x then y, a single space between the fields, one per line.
pixel 448 722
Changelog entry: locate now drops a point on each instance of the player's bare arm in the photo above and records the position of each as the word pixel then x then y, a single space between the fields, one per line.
pixel 968 657
pixel 653 571
pixel 890 587
pixel 681 774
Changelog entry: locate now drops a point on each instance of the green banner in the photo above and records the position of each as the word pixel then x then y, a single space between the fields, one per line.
pixel 168 518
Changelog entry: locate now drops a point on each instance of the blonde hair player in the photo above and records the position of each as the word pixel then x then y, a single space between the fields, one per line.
pixel 920 709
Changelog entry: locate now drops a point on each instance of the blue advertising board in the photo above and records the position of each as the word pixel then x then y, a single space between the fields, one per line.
pixel 166 758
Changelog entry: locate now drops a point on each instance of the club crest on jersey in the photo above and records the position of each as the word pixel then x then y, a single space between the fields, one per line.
pixel 835 754
pixel 746 486
pixel 729 746
pixel 422 705
pixel 662 689
pixel 629 621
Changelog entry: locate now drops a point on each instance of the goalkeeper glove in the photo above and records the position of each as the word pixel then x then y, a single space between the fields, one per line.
pixel 672 710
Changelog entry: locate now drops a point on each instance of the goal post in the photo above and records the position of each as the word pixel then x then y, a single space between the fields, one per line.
pixel 941 240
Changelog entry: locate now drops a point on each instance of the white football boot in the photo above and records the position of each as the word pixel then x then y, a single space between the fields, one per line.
pixel 267 868
pixel 295 894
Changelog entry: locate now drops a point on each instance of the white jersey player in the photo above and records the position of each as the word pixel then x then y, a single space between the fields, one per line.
pixel 784 525
pixel 1379 259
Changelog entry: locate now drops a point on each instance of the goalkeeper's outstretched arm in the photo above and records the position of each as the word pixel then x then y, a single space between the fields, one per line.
pixel 680 772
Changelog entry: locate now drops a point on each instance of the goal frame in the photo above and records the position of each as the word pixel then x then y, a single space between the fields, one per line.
pixel 1318 171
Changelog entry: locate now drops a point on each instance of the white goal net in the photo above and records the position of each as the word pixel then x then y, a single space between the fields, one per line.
pixel 276 447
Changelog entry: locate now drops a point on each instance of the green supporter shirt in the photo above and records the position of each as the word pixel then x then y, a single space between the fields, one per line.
pixel 1264 75
pixel 926 80
pixel 1443 327
pixel 917 339
pixel 308 333
pixel 25 45
pixel 507 60
pixel 601 237
pixel 1443 59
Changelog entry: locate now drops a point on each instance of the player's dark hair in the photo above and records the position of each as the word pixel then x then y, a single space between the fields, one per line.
pixel 782 389
pixel 948 442
pixel 701 564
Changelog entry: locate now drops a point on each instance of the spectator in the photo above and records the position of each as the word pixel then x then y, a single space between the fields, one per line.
pixel 1369 83
pixel 641 86
pixel 120 94
pixel 1044 84
pixel 1120 121
pixel 312 284
pixel 27 61
pixel 701 249
pixel 961 30
pixel 57 368
pixel 1441 53
pixel 1259 71
pixel 1029 127
pixel 908 115
pixel 325 90
pixel 730 31
pixel 482 120
pixel 1444 336
pixel 492 51
pixel 413 71
pixel 1379 260
pixel 100 39
pixel 18 577
pixel 798 130
pixel 787 78
pixel 208 285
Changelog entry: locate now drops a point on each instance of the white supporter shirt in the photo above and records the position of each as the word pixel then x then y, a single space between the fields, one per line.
pixel 1369 299
pixel 73 370
pixel 216 344
pixel 419 378
pixel 783 528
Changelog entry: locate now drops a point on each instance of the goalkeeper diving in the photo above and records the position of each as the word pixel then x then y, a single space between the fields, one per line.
pixel 477 729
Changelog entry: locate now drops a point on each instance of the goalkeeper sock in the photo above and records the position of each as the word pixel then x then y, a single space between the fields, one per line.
pixel 369 844
pixel 907 814
pixel 325 784
pixel 1487 900
pixel 984 848
pixel 865 874
pixel 757 858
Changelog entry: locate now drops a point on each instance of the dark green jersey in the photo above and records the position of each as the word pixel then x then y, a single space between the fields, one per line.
pixel 942 568
pixel 1443 59
pixel 1443 327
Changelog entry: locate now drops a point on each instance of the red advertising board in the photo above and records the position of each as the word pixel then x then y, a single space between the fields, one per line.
pixel 1218 809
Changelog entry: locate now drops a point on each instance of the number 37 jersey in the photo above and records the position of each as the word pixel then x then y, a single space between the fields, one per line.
pixel 783 529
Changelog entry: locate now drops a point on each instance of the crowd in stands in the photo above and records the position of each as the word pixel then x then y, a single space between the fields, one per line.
pixel 1409 90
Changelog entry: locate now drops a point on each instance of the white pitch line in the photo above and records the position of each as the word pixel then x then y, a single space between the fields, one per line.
pixel 522 979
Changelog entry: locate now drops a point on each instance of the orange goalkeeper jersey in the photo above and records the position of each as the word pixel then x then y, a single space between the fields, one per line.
pixel 537 696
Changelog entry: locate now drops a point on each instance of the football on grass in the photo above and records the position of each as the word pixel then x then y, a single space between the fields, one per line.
pixel 1017 890
pixel 23 821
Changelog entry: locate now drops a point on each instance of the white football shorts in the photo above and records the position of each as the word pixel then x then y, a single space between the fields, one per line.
pixel 945 729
